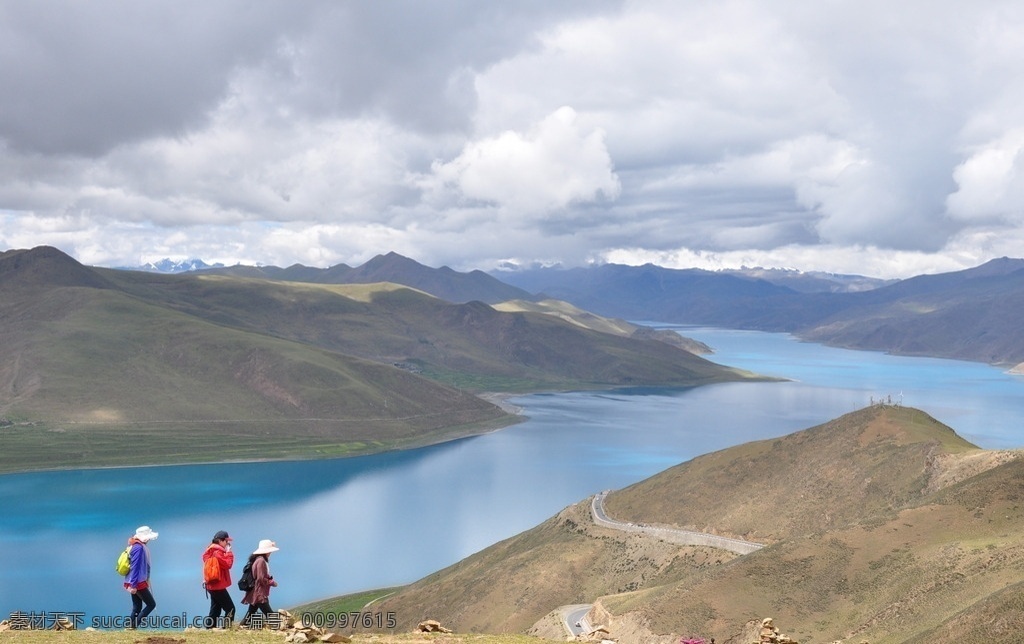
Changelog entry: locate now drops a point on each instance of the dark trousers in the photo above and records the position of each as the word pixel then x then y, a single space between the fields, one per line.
pixel 140 597
pixel 263 607
pixel 220 600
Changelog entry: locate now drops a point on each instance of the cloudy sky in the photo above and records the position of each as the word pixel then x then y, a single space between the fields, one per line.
pixel 861 136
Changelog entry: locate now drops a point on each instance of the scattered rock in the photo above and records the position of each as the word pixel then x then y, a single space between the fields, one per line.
pixel 25 623
pixel 431 626
pixel 770 634
pixel 599 633
pixel 296 632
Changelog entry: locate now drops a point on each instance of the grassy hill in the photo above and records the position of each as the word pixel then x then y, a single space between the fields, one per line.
pixel 881 525
pixel 588 320
pixel 471 345
pixel 95 377
pixel 187 368
pixel 850 469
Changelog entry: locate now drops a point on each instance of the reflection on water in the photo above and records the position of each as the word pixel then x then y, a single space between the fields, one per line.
pixel 351 524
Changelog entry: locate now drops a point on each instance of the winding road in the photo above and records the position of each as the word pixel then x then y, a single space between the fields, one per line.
pixel 671 535
pixel 577 613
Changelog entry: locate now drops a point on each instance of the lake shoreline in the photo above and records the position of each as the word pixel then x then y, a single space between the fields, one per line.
pixel 499 399
pixel 514 416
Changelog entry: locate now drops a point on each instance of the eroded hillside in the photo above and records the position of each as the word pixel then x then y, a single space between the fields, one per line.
pixel 881 525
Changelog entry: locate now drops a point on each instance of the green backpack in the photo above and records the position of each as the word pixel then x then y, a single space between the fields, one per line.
pixel 123 562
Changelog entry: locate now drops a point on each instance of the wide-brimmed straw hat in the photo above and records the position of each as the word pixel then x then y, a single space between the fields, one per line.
pixel 266 547
pixel 145 533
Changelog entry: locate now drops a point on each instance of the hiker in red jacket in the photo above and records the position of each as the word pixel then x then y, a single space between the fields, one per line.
pixel 217 580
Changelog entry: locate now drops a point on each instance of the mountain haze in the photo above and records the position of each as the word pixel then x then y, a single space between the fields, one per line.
pixel 969 315
pixel 649 292
pixel 811 281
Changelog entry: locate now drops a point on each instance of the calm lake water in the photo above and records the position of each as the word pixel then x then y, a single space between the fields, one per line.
pixel 353 524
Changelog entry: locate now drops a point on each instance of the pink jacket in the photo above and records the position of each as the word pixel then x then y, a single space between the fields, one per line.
pixel 262 581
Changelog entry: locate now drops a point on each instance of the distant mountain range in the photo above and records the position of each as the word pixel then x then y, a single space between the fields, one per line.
pixel 443 282
pixel 393 267
pixel 969 315
pixel 550 280
pixel 172 266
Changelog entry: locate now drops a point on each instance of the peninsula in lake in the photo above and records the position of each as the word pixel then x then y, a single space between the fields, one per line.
pixel 203 366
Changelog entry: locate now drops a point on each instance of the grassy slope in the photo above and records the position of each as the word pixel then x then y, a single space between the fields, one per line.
pixel 886 580
pixel 571 314
pixel 200 368
pixel 95 367
pixel 354 602
pixel 999 617
pixel 902 558
pixel 565 560
pixel 853 467
pixel 468 345
pixel 883 525
pixel 588 320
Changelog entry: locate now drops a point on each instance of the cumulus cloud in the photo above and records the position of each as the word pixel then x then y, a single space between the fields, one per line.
pixel 990 182
pixel 467 133
pixel 548 168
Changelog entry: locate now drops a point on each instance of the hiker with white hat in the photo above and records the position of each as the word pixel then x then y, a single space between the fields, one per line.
pixel 257 592
pixel 136 582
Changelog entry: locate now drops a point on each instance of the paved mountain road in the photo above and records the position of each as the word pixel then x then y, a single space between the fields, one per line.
pixel 577 613
pixel 671 535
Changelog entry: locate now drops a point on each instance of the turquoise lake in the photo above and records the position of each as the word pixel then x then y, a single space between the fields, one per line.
pixel 353 524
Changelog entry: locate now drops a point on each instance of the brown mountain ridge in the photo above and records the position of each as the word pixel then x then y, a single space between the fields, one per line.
pixel 882 525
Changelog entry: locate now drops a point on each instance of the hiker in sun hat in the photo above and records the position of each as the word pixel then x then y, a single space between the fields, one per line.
pixel 136 581
pixel 258 594
pixel 217 562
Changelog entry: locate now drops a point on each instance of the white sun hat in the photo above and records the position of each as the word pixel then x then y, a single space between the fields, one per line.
pixel 145 533
pixel 266 547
